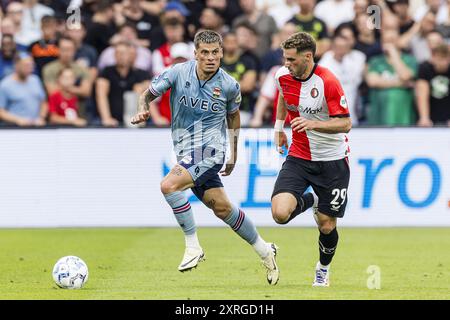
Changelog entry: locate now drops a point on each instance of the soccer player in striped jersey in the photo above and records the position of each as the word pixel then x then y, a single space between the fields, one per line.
pixel 203 99
pixel 316 104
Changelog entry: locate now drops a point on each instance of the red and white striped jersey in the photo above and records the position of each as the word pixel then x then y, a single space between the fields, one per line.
pixel 318 97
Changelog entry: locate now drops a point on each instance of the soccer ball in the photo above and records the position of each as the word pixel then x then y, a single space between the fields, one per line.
pixel 70 272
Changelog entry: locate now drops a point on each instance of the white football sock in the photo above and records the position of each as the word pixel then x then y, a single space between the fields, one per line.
pixel 261 247
pixel 192 240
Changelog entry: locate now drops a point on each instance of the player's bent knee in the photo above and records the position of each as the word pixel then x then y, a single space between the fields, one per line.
pixel 222 211
pixel 327 227
pixel 280 215
pixel 168 187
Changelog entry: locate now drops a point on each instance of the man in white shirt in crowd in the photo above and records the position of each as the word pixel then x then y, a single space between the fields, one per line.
pixel 348 66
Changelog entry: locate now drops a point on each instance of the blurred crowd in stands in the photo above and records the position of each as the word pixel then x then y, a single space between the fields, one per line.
pixel 85 62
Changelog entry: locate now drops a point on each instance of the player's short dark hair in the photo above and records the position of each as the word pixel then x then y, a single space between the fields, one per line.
pixel 207 36
pixel 301 41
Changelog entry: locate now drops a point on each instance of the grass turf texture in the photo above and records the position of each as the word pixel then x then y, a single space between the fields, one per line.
pixel 141 263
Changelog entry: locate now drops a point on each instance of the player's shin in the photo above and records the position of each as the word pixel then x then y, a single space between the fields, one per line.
pixel 327 246
pixel 244 227
pixel 183 213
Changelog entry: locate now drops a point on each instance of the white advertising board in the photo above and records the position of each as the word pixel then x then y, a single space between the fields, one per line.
pixel 110 177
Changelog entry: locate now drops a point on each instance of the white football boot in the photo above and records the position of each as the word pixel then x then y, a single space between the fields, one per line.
pixel 191 258
pixel 270 263
pixel 322 278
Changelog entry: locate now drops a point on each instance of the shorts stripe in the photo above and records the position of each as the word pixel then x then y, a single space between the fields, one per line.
pixel 181 209
pixel 239 221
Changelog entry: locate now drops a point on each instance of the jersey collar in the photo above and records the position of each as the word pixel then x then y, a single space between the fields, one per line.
pixel 309 76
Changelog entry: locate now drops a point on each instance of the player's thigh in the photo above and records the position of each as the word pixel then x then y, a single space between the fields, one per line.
pixel 177 179
pixel 290 185
pixel 331 188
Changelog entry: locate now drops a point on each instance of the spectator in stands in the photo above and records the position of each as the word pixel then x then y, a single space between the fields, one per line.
pixel 174 32
pixel 145 23
pixel 267 97
pixel 264 25
pixel 22 97
pixel 127 33
pixel 438 7
pixel 7 26
pixel 12 23
pixel 229 9
pixel 433 89
pixel 114 81
pixel 33 12
pixel 360 7
pixel 366 40
pixel 102 28
pixel 63 104
pixel 211 19
pixel 334 12
pixel 244 70
pixel 348 66
pixel 306 21
pixel 283 12
pixel 275 56
pixel 173 11
pixel 416 38
pixel 401 9
pixel 7 55
pixel 247 38
pixel 85 55
pixel 160 107
pixel 83 87
pixel 390 80
pixel 46 49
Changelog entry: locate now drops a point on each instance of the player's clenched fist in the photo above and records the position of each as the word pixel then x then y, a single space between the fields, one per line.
pixel 140 117
pixel 281 141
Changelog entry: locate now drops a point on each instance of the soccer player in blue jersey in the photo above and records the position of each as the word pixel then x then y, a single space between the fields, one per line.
pixel 203 99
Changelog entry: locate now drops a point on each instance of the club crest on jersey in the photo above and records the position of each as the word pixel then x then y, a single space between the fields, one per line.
pixel 216 92
pixel 314 92
pixel 187 85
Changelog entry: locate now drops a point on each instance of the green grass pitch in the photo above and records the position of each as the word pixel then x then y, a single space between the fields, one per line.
pixel 141 263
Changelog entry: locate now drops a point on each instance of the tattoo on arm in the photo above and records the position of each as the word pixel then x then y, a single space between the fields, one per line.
pixel 145 99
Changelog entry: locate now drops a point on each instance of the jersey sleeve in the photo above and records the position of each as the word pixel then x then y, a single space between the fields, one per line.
pixel 234 98
pixel 164 81
pixel 335 97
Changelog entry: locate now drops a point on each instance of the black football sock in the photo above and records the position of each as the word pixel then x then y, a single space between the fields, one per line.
pixel 327 246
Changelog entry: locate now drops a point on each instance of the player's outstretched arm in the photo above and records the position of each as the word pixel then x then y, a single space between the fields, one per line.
pixel 143 113
pixel 234 124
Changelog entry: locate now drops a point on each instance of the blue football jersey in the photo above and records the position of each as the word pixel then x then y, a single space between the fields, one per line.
pixel 198 107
